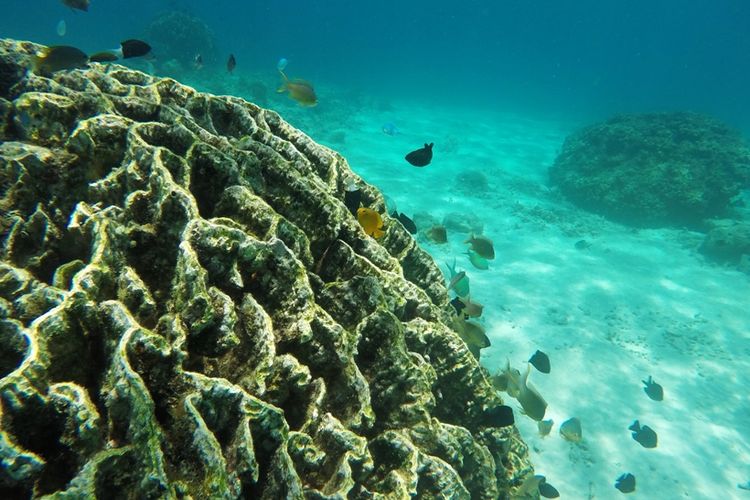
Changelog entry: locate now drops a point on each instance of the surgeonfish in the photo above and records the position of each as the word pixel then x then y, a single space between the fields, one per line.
pixel 540 361
pixel 437 234
pixel 544 427
pixel 471 309
pixel 57 58
pixel 133 48
pixel 644 435
pixel 653 390
pixel 626 483
pixel 482 246
pixel 571 430
pixel 299 90
pixel 370 221
pixel 458 281
pixel 532 402
pixel 477 260
pixel 547 490
pixel 77 4
pixel 498 416
pixel 420 157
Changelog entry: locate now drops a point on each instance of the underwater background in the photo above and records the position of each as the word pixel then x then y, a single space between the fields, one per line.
pixel 498 86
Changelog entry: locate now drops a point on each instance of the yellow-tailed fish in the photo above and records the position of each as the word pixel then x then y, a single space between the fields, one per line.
pixel 299 90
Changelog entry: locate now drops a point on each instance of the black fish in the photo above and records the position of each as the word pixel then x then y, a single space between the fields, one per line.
pixel 540 361
pixel 231 63
pixel 644 435
pixel 352 200
pixel 406 221
pixel 58 58
pixel 547 490
pixel 582 245
pixel 498 416
pixel 458 305
pixel 101 57
pixel 626 483
pixel 421 157
pixel 134 48
pixel 653 390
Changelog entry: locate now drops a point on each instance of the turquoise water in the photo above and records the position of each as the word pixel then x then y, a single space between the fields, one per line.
pixel 497 87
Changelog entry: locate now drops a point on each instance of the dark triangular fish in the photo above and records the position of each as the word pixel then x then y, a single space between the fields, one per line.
pixel 407 222
pixel 644 435
pixel 134 48
pixel 540 361
pixel 421 157
pixel 626 483
pixel 653 390
pixel 352 200
pixel 231 63
pixel 547 490
pixel 498 416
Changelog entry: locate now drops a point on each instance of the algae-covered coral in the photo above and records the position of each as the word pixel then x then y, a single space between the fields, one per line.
pixel 188 309
pixel 654 169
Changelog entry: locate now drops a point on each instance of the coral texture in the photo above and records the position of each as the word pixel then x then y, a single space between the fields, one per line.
pixel 188 309
pixel 653 169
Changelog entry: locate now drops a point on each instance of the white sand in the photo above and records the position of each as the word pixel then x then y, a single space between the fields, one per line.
pixel 637 303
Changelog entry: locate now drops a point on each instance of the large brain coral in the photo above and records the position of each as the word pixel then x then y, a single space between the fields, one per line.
pixel 653 169
pixel 188 309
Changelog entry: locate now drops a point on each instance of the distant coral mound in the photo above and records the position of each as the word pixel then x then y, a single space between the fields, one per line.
pixel 657 169
pixel 189 310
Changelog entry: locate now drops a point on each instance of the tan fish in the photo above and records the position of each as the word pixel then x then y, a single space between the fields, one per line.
pixel 532 402
pixel 482 246
pixel 299 90
pixel 509 379
pixel 571 430
pixel 437 234
pixel 471 309
pixel 544 427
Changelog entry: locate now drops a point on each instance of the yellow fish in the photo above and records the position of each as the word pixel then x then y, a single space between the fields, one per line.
pixel 370 221
pixel 299 90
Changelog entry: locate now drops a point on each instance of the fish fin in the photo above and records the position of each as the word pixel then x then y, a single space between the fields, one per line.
pixel 635 427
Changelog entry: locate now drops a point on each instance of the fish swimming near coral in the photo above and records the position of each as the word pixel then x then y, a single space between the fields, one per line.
pixel 544 427
pixel 471 309
pixel 77 4
pixel 420 157
pixel 231 63
pixel 653 390
pixel 458 281
pixel 437 234
pixel 371 222
pixel 532 402
pixel 58 58
pixel 104 56
pixel 482 246
pixel 626 483
pixel 458 306
pixel 133 48
pixel 408 224
pixel 547 490
pixel 644 435
pixel 299 90
pixel 477 260
pixel 540 361
pixel 352 196
pixel 498 416
pixel 571 430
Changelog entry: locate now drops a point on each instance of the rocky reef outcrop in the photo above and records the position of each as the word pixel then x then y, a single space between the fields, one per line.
pixel 188 310
pixel 655 169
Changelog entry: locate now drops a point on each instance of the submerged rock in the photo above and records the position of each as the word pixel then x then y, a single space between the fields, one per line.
pixel 188 309
pixel 654 169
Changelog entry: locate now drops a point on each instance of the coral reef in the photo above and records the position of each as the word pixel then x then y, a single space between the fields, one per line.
pixel 188 310
pixel 658 169
pixel 728 242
